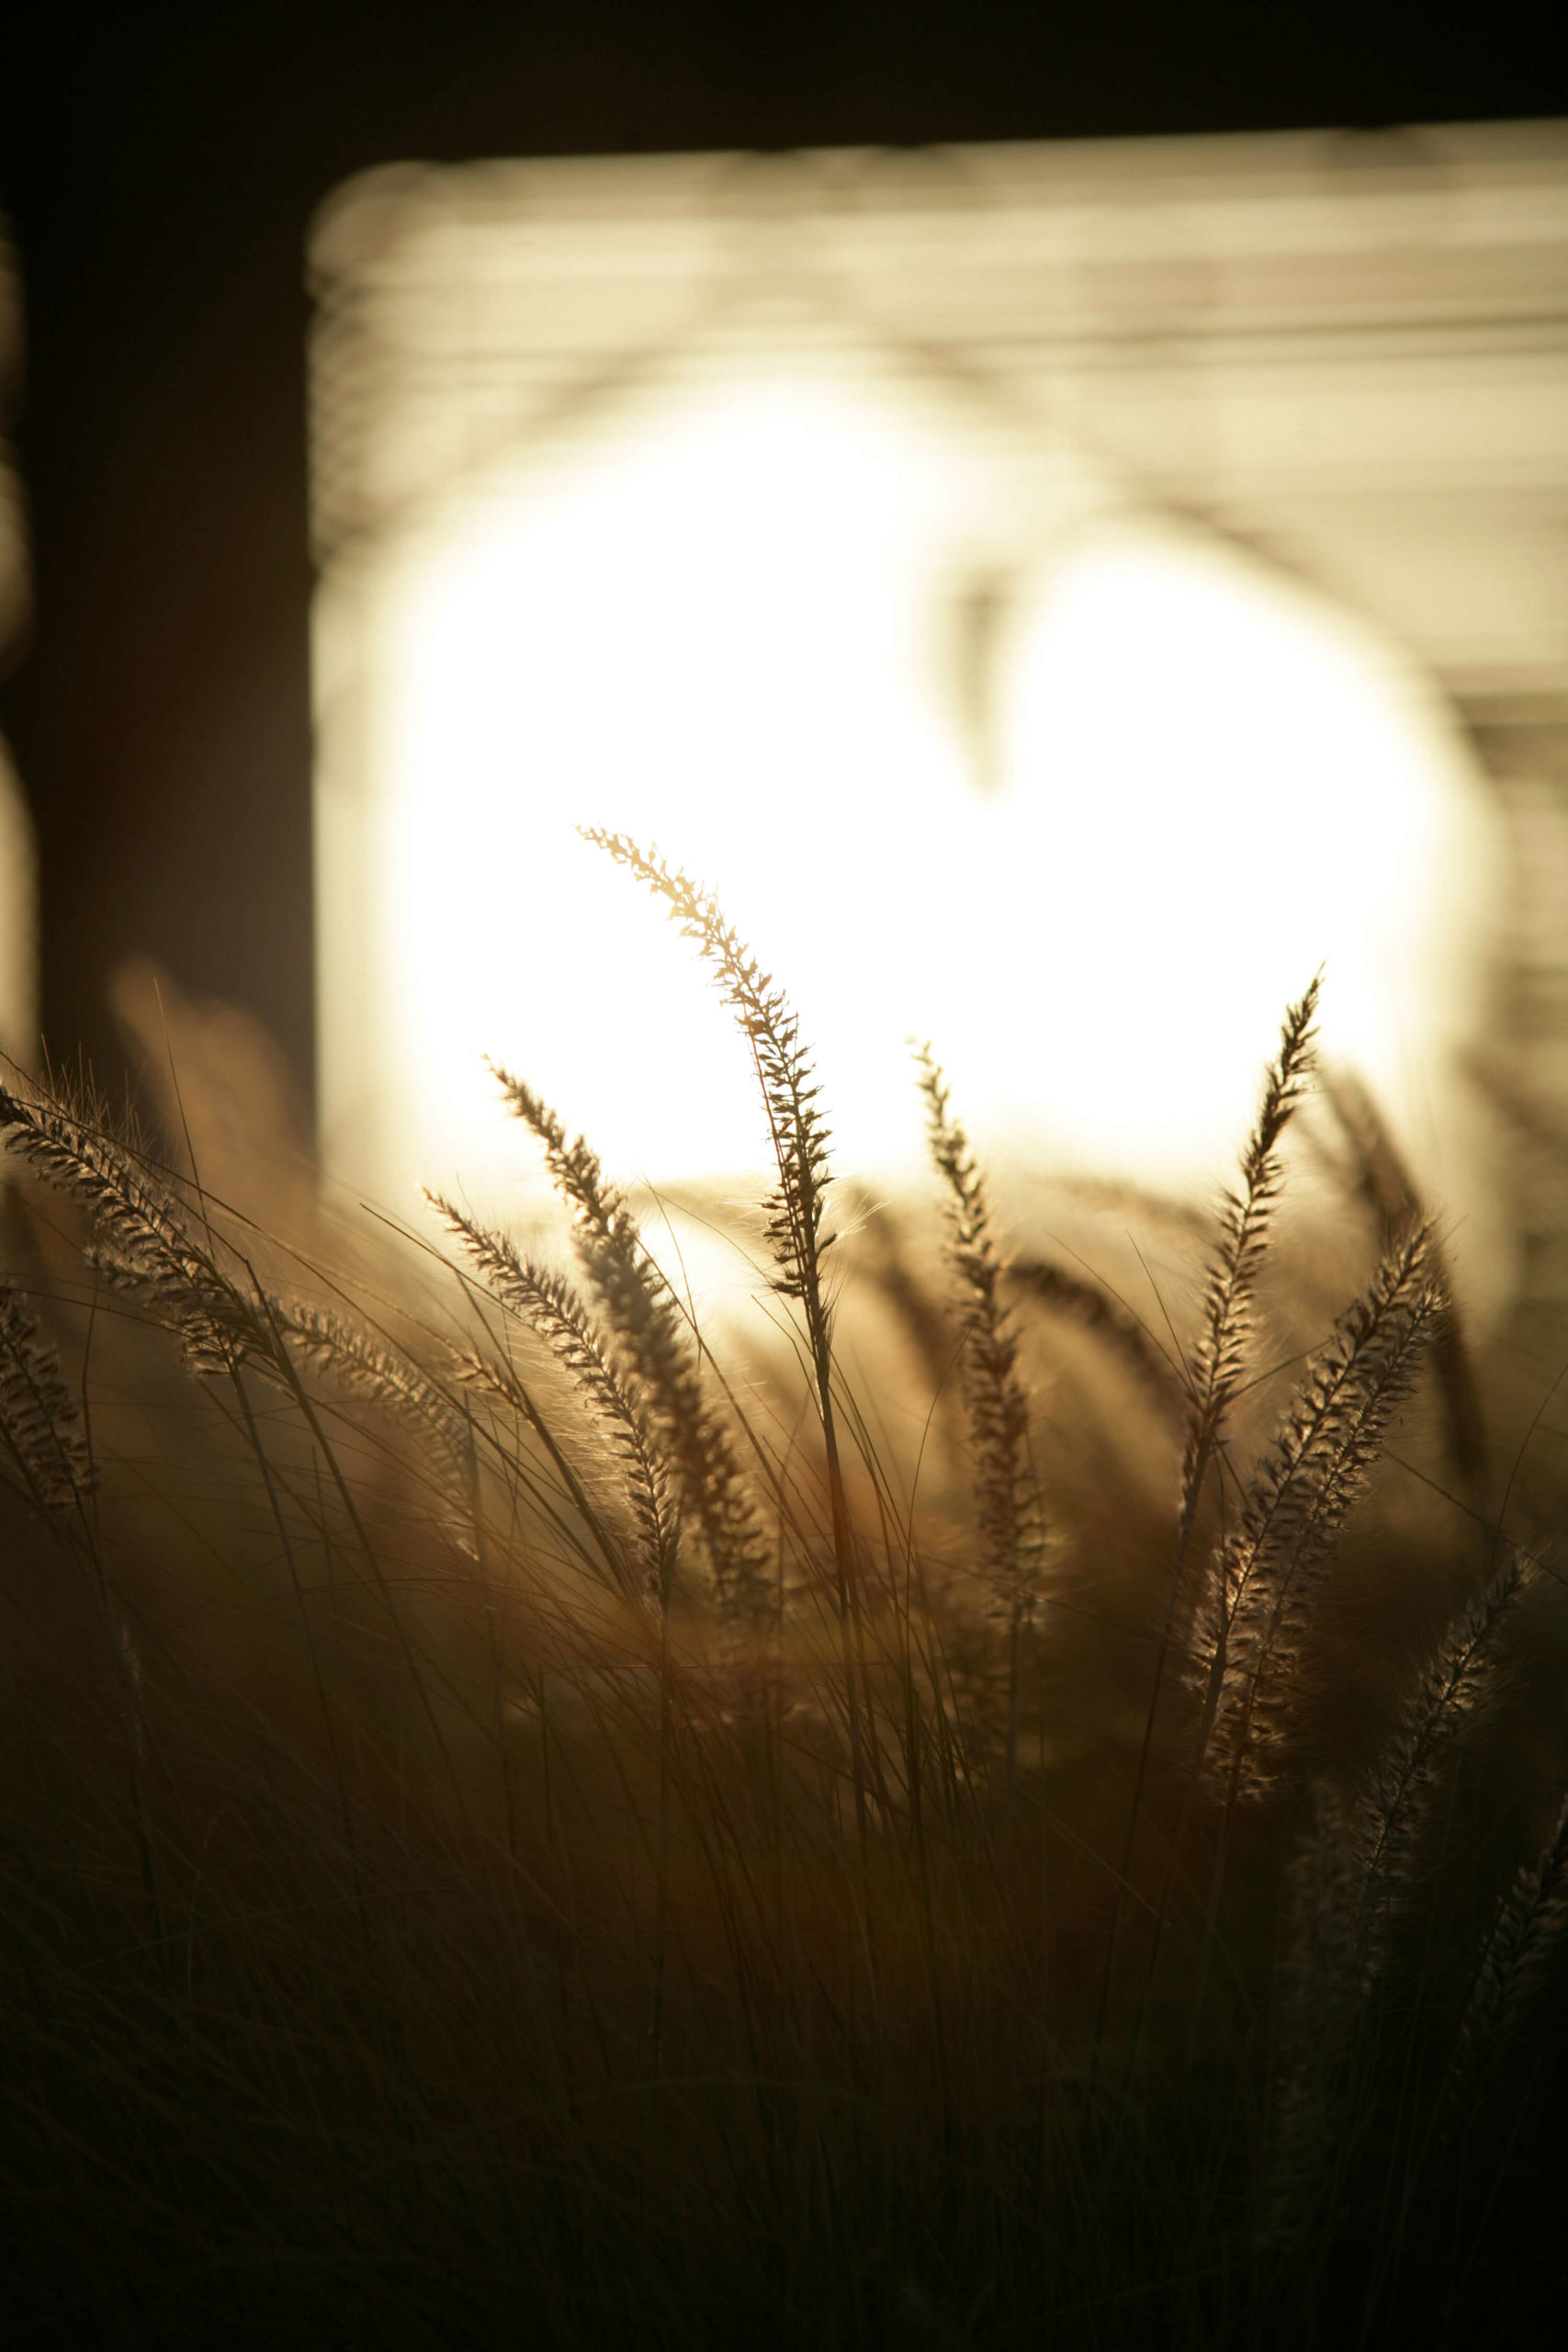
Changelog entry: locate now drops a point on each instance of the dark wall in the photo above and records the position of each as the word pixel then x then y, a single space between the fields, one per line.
pixel 159 164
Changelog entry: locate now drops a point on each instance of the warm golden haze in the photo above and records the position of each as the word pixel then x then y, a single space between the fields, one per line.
pixel 976 1808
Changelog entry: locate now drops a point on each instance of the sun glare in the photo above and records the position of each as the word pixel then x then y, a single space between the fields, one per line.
pixel 728 624
pixel 1057 597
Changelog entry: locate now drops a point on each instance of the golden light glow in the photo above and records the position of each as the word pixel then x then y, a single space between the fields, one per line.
pixel 723 630
pixel 1057 597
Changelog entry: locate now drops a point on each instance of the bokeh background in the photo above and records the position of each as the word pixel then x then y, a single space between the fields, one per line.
pixel 159 167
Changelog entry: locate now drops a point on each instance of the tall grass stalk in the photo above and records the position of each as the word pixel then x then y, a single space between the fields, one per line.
pixel 795 1212
pixel 1214 1376
pixel 1006 1502
pixel 512 1815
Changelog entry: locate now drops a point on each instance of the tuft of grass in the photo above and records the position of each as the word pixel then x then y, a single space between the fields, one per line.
pixel 1025 1811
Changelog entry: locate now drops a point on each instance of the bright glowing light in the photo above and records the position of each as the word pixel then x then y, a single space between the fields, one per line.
pixel 727 625
pixel 1216 783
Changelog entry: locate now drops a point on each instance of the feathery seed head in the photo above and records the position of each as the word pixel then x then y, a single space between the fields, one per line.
pixel 1396 1798
pixel 800 1138
pixel 610 1391
pixel 1255 1608
pixel 143 1238
pixel 41 1421
pixel 646 1319
pixel 1005 1497
pixel 1220 1358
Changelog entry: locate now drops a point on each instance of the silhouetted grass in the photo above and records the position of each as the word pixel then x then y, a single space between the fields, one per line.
pixel 997 1814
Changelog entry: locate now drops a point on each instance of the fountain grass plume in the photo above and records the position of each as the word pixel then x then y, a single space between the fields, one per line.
pixel 1006 1492
pixel 1256 1608
pixel 41 1419
pixel 1007 1495
pixel 794 1211
pixel 1396 1801
pixel 647 1322
pixel 1219 1361
pixel 144 1239
pixel 1213 1377
pixel 562 1321
pixel 402 1915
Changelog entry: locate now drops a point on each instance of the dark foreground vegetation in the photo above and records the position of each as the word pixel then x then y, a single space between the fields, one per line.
pixel 1021 1805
